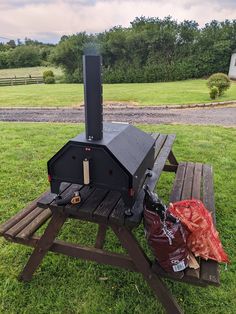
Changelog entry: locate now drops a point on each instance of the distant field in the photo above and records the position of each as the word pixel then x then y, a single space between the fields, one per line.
pixel 34 71
pixel 183 92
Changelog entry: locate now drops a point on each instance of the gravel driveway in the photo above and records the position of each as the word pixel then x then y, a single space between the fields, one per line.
pixel 225 116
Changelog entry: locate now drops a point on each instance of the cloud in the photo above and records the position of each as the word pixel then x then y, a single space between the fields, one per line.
pixel 8 4
pixel 49 19
pixel 11 4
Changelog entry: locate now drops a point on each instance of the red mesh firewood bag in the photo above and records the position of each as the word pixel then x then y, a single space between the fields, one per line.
pixel 203 239
pixel 167 240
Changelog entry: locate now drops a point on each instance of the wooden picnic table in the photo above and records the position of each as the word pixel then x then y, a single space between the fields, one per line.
pixel 106 208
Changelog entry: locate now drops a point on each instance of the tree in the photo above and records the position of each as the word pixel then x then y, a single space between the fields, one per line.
pixel 68 54
pixel 19 42
pixel 24 56
pixel 11 43
pixel 3 59
pixel 153 49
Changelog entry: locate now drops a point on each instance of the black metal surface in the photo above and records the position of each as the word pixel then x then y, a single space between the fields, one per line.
pixel 118 162
pixel 127 144
pixel 93 97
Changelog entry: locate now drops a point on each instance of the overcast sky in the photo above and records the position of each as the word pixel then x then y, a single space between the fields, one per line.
pixel 48 20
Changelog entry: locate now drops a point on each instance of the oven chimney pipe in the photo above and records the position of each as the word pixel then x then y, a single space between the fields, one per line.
pixel 93 97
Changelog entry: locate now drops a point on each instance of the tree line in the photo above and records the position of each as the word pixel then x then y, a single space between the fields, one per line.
pixel 31 53
pixel 150 50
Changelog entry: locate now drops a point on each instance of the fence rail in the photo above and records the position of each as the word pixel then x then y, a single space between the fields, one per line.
pixel 10 81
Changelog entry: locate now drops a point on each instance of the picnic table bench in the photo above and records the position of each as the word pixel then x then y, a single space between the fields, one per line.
pixel 106 208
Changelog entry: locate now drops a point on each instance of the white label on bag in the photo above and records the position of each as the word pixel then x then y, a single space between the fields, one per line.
pixel 180 266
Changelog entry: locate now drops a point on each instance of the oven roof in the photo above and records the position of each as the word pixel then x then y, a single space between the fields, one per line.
pixel 127 143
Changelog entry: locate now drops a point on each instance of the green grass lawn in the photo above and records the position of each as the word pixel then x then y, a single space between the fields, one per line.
pixel 33 71
pixel 183 92
pixel 66 285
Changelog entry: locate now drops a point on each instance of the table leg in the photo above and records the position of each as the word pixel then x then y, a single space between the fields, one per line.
pixel 143 264
pixel 172 159
pixel 101 235
pixel 173 166
pixel 43 245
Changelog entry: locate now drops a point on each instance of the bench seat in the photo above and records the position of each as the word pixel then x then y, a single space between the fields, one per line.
pixel 194 180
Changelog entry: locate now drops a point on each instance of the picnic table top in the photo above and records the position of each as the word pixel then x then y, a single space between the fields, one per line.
pixel 104 206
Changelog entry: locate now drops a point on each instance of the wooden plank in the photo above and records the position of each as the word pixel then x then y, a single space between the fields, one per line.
pixel 20 77
pixel 93 254
pixel 43 245
pixel 178 183
pixel 172 159
pixel 101 236
pixel 166 148
pixel 83 252
pixel 187 194
pixel 117 216
pixel 196 190
pixel 101 214
pixel 208 191
pixel 47 199
pixel 143 264
pixel 210 272
pixel 155 135
pixel 163 155
pixel 159 143
pixel 90 205
pixel 182 189
pixel 13 231
pixel 74 210
pixel 188 182
pixel 35 224
pixel 178 277
pixel 20 215
pixel 191 273
pixel 20 80
pixel 64 193
pixel 210 268
pixel 170 168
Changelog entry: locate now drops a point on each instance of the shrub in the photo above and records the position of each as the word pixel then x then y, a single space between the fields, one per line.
pixel 214 92
pixel 48 73
pixel 23 56
pixel 49 80
pixel 219 80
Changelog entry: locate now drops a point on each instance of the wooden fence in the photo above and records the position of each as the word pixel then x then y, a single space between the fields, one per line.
pixel 10 81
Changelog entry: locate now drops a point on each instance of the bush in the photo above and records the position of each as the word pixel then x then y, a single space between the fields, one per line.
pixel 214 92
pixel 49 80
pixel 4 58
pixel 48 73
pixel 23 56
pixel 219 80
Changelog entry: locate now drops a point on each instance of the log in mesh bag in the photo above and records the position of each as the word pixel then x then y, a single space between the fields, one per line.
pixel 174 232
pixel 203 239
